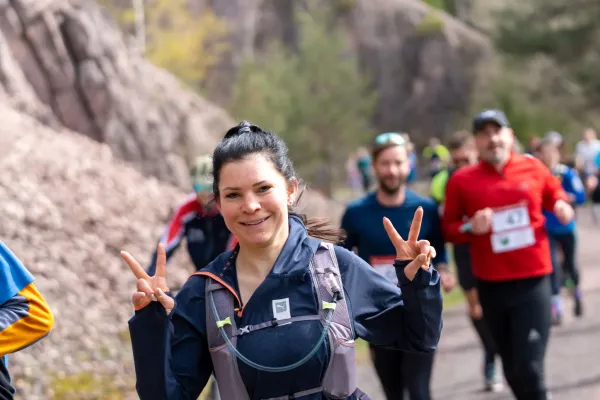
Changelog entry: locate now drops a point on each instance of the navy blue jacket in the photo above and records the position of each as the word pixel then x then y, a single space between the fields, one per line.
pixel 363 224
pixel 171 354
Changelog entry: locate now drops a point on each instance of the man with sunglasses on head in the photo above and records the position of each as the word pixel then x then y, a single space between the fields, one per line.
pixel 502 198
pixel 392 199
pixel 198 221
pixel 463 153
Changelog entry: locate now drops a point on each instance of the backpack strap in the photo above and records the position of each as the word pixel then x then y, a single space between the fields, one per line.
pixel 225 364
pixel 339 380
pixel 326 274
pixel 225 304
pixel 251 328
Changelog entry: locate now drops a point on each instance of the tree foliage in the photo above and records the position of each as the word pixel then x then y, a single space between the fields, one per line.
pixel 185 44
pixel 522 92
pixel 316 98
pixel 566 31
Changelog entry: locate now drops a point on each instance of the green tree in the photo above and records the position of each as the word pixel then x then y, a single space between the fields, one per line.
pixel 316 99
pixel 185 44
pixel 527 102
pixel 566 31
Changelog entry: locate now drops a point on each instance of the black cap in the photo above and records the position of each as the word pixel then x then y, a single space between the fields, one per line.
pixel 495 116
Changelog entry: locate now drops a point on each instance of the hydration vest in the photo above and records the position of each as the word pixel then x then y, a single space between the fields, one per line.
pixel 339 380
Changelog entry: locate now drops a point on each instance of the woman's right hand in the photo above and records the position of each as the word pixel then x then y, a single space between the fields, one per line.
pixel 150 288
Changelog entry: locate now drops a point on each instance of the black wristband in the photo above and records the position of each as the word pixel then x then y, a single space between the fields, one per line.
pixel 401 263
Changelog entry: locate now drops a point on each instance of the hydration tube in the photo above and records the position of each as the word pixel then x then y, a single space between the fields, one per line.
pixel 264 367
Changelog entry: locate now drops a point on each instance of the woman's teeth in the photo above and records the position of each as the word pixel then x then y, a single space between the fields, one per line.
pixel 254 223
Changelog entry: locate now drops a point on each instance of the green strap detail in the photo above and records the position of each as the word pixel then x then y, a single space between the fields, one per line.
pixel 328 306
pixel 226 321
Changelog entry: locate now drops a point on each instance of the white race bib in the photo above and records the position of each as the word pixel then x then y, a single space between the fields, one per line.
pixel 511 229
pixel 385 266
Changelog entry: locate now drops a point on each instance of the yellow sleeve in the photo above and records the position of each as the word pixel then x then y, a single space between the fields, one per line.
pixel 24 319
pixel 438 186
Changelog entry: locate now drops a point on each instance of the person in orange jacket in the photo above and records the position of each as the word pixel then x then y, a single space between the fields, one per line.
pixel 25 317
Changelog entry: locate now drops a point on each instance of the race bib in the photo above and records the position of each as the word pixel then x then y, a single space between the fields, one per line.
pixel 511 229
pixel 384 265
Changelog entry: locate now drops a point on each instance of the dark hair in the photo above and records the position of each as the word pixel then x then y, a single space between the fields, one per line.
pixel 379 148
pixel 459 140
pixel 246 139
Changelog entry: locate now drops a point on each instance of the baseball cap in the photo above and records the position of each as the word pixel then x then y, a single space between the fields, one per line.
pixel 491 115
pixel 201 174
pixel 553 137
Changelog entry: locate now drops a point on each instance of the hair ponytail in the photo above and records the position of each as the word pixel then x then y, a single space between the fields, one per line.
pixel 319 227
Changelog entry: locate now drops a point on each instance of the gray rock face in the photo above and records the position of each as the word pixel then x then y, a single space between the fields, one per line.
pixel 66 63
pixel 422 62
pixel 68 207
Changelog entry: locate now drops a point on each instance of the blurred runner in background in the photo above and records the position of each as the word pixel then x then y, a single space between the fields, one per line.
pixel 462 154
pixel 397 370
pixel 496 207
pixel 563 236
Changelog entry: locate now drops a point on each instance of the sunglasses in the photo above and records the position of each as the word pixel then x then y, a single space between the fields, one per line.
pixel 390 137
pixel 200 188
pixel 461 161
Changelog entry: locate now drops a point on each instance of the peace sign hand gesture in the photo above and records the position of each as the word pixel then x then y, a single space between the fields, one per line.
pixel 150 288
pixel 419 251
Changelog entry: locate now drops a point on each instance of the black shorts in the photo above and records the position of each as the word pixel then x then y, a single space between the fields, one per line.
pixel 462 260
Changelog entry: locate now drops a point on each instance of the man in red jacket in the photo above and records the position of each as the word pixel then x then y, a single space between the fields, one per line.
pixel 496 207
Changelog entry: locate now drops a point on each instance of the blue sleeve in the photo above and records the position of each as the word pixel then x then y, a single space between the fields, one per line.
pixel 170 353
pixel 435 236
pixel 574 185
pixel 352 236
pixel 407 318
pixel 14 276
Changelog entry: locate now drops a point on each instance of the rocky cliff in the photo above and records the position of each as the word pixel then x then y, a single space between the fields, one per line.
pixel 68 207
pixel 66 63
pixel 422 61
pixel 93 147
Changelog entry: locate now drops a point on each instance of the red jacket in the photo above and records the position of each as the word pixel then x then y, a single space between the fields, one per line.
pixel 517 247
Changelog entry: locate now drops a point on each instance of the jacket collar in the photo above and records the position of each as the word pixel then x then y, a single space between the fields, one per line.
pixel 294 258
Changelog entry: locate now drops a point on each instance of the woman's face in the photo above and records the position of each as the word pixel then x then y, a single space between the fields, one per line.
pixel 254 199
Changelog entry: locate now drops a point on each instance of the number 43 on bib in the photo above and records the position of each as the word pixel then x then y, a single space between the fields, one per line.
pixel 511 229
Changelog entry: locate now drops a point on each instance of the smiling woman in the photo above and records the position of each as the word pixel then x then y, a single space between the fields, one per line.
pixel 255 166
pixel 284 301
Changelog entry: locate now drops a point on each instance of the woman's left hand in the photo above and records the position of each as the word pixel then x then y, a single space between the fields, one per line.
pixel 419 251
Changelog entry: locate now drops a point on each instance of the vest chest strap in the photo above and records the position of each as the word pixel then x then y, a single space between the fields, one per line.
pixel 251 328
pixel 298 394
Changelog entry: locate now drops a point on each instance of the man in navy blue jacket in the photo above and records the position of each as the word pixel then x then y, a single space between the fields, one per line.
pixel 394 200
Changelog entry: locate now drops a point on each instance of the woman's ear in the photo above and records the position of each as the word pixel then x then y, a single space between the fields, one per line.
pixel 217 201
pixel 293 189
